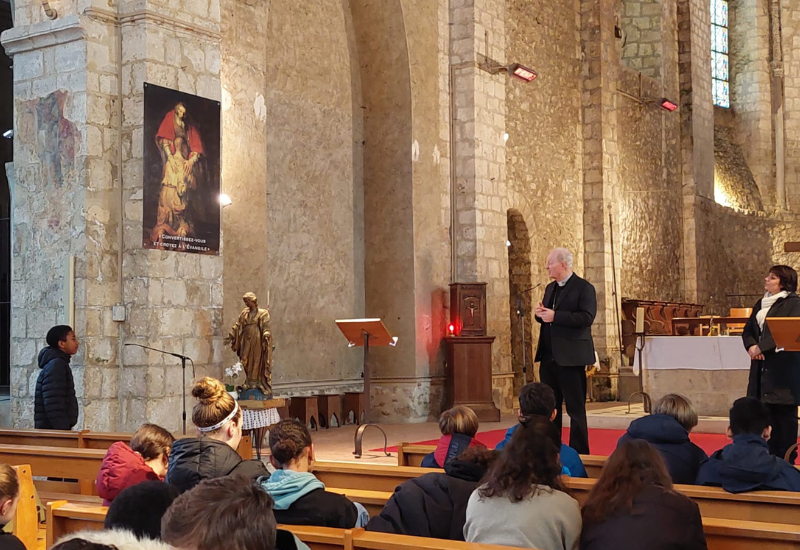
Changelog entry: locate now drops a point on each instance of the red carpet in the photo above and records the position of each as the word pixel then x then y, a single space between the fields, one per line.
pixel 601 442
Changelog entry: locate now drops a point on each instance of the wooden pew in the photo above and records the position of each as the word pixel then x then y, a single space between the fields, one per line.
pixel 373 501
pixel 725 534
pixel 64 518
pixel 372 477
pixel 61 462
pixel 85 439
pixel 760 506
pixel 67 517
pixel 412 455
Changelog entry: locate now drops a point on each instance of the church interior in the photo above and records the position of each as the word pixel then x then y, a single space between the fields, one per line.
pixel 408 161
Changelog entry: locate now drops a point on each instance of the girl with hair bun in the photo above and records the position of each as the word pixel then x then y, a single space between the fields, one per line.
pixel 300 498
pixel 213 454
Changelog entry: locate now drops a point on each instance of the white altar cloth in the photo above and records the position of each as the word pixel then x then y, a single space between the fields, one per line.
pixel 692 352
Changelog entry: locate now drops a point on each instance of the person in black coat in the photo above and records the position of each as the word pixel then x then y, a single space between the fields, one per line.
pixel 632 506
pixel 566 313
pixel 55 403
pixel 435 505
pixel 667 429
pixel 300 498
pixel 775 376
pixel 219 420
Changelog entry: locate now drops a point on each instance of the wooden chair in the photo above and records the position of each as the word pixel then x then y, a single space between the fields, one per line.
pixel 306 410
pixel 330 406
pixel 353 403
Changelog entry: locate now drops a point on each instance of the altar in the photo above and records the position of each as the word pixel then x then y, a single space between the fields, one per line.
pixel 712 371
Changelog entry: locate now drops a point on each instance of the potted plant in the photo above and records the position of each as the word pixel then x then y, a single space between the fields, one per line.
pixel 231 377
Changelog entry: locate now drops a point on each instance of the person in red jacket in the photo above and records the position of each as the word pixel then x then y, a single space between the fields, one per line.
pixel 458 426
pixel 145 459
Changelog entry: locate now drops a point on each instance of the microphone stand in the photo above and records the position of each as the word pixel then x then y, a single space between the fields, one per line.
pixel 521 318
pixel 183 359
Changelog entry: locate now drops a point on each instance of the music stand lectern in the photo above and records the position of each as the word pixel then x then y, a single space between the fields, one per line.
pixel 366 333
pixel 785 332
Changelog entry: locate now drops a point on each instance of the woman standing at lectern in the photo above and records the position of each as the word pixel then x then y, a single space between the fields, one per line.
pixel 775 376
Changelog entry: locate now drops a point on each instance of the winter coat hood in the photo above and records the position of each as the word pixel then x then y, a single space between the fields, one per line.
pixel 122 540
pixel 682 457
pixel 48 354
pixel 192 460
pixel 746 465
pixel 658 428
pixel 121 468
pixel 287 486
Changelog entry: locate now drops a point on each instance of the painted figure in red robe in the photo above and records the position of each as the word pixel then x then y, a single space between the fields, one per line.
pixel 181 150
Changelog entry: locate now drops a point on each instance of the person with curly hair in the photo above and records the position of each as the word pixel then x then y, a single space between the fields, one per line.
pixel 522 501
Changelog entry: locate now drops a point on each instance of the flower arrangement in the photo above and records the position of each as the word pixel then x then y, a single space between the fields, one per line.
pixel 232 375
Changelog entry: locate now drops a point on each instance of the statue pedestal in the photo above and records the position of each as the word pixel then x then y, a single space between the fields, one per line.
pixel 253 395
pixel 257 416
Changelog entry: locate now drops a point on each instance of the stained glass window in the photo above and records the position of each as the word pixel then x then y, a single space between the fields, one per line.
pixel 720 88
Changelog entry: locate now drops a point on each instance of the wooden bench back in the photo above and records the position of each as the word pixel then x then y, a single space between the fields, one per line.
pixel 85 439
pixel 26 519
pixel 412 455
pixel 64 518
pixel 61 462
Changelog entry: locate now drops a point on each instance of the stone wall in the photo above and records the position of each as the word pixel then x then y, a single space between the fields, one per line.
pixel 641 36
pixel 315 228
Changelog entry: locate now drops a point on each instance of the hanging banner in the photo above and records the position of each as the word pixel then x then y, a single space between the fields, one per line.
pixel 181 176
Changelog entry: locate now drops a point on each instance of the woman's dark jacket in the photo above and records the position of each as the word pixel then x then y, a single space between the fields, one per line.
pixel 320 508
pixel 659 520
pixel 433 505
pixel 776 379
pixel 192 460
pixel 682 457
pixel 55 405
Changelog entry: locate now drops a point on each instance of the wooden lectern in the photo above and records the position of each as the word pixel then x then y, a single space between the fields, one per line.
pixel 468 371
pixel 366 333
pixel 785 332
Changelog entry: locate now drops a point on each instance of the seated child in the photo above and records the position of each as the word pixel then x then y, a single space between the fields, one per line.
pixel 667 429
pixel 458 426
pixel 230 513
pixel 145 459
pixel 140 508
pixel 300 498
pixel 9 498
pixel 537 399
pixel 746 465
pixel 435 505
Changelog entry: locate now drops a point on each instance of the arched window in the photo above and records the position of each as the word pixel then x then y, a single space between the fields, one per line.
pixel 720 87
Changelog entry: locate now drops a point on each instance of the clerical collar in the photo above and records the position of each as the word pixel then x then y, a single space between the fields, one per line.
pixel 564 281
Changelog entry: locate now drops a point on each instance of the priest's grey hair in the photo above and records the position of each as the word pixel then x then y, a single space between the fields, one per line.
pixel 564 255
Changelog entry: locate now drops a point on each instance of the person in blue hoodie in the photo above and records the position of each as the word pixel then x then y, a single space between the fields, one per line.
pixel 539 399
pixel 300 498
pixel 667 429
pixel 746 465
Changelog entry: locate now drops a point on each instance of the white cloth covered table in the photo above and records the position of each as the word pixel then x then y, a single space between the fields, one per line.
pixel 692 352
pixel 259 418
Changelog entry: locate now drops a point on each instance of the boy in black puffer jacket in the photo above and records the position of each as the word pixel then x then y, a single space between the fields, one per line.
pixel 55 406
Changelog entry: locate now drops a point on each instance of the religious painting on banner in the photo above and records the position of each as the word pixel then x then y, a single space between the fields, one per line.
pixel 181 177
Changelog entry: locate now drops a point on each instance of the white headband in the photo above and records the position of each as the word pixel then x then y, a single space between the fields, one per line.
pixel 220 424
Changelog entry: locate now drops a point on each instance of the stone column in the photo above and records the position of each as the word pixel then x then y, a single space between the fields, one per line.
pixel 481 211
pixel 68 203
pixel 50 206
pixel 697 135
pixel 601 169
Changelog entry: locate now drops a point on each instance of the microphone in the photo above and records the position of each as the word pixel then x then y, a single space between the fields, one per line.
pixel 534 287
pixel 520 312
pixel 178 355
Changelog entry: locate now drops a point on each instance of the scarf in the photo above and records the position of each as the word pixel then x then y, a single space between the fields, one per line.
pixel 766 303
pixel 287 486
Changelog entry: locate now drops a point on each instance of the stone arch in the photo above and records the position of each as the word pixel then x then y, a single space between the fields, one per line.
pixel 519 279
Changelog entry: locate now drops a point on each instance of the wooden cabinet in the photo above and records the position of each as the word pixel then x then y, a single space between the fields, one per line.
pixel 469 375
